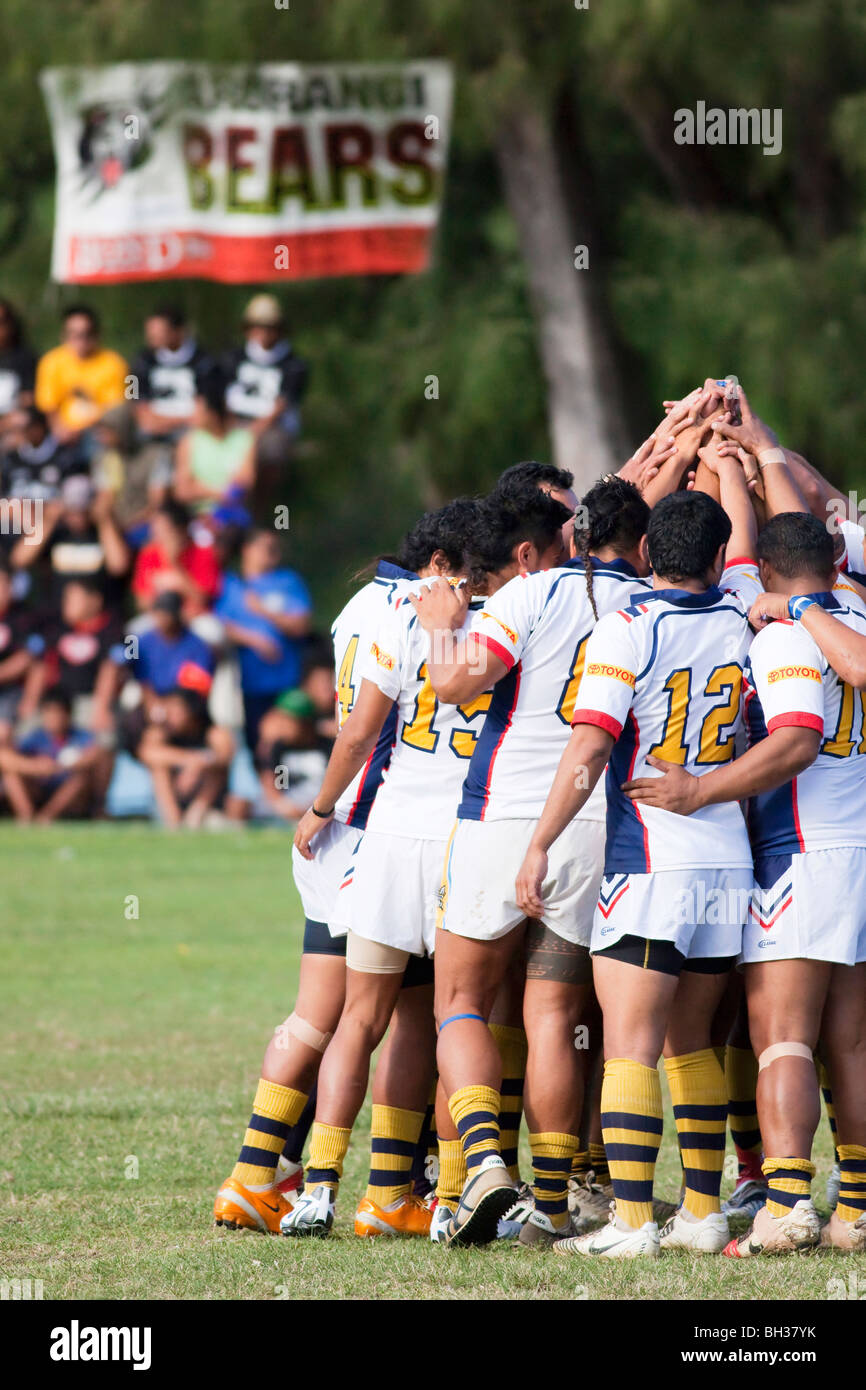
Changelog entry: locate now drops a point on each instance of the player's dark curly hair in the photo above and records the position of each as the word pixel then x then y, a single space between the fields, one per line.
pixel 526 514
pixel 615 515
pixel 684 534
pixel 796 543
pixel 448 529
pixel 529 473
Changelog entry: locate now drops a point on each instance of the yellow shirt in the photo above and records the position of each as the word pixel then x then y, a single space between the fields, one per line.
pixel 79 389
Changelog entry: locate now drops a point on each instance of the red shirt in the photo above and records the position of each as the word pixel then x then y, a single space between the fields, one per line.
pixel 198 561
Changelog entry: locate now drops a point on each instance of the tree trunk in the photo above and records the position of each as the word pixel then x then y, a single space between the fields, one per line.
pixel 585 425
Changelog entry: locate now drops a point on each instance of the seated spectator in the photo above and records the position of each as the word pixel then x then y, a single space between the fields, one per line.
pixel 80 536
pixel 57 769
pixel 172 560
pixel 266 380
pixel 82 652
pixel 290 764
pixel 215 461
pixel 188 757
pixel 79 380
pixel 116 467
pixel 17 366
pixel 169 655
pixel 21 646
pixel 319 682
pixel 265 611
pixel 169 371
pixel 34 462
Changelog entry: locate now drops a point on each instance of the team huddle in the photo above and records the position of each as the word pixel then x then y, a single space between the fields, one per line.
pixel 598 797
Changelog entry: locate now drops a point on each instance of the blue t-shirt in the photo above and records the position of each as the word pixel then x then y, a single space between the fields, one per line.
pixel 39 743
pixel 161 659
pixel 283 592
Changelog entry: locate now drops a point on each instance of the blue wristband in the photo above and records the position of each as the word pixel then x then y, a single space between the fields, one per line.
pixel 797 605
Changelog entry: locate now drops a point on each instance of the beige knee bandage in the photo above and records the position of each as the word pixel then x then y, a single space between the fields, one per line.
pixel 372 958
pixel 306 1033
pixel 785 1049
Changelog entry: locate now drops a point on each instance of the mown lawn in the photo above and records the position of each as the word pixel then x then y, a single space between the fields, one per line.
pixel 130 1050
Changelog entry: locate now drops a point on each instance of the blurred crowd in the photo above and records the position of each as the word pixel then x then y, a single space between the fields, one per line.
pixel 157 655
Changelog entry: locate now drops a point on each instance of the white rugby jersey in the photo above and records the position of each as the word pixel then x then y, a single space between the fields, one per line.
pixel 539 625
pixel 353 632
pixel 854 536
pixel 432 743
pixel 665 676
pixel 789 682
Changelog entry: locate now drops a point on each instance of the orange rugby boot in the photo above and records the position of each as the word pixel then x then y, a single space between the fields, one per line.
pixel 237 1207
pixel 408 1217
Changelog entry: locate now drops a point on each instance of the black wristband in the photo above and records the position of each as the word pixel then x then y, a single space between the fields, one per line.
pixel 323 815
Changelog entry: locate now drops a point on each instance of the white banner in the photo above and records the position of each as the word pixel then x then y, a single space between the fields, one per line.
pixel 276 171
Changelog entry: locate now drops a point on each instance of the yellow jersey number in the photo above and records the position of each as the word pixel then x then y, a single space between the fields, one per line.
pixel 716 742
pixel 420 732
pixel 345 688
pixel 842 744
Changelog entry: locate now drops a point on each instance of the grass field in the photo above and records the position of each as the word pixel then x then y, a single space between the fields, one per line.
pixel 130 1050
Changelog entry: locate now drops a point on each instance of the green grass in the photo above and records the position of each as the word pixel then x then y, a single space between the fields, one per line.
pixel 133 1045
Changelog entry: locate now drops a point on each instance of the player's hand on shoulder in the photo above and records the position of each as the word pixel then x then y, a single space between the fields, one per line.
pixel 676 790
pixel 767 608
pixel 441 605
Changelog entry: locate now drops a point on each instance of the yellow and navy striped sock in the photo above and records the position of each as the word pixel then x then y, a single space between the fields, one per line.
pixel 741 1080
pixel 700 1102
pixel 852 1184
pixel 631 1123
pixel 275 1110
pixel 827 1093
pixel 475 1112
pixel 552 1156
pixel 790 1181
pixel 328 1147
pixel 513 1051
pixel 580 1164
pixel 393 1139
pixel 452 1173
pixel 598 1164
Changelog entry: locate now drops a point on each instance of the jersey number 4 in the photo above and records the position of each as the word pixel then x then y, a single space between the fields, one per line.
pixel 420 732
pixel 716 742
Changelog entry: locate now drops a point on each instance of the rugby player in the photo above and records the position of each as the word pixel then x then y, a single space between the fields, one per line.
pixel 390 886
pixel 666 674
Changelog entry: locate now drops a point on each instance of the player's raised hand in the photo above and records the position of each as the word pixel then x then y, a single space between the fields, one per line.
pixel 768 608
pixel 441 605
pixel 309 825
pixel 646 461
pixel 753 434
pixel 677 790
pixel 530 878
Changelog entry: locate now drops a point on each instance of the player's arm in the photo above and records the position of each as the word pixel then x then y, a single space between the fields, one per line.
pixel 781 493
pixel 460 666
pixel 844 649
pixel 603 702
pixel 352 747
pixel 580 767
pixel 734 498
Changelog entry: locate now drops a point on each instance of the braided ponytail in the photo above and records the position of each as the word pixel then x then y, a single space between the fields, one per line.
pixel 616 516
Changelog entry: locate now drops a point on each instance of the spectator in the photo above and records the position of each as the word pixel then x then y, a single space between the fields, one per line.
pixel 35 463
pixel 290 764
pixel 266 380
pixel 169 655
pixel 172 560
pixel 319 680
pixel 188 757
pixel 81 658
pixel 215 462
pixel 79 536
pixel 21 645
pixel 17 366
pixel 57 769
pixel 266 612
pixel 79 380
pixel 169 370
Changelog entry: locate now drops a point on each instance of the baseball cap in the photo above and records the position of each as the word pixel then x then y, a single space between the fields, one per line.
pixel 297 702
pixel 263 311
